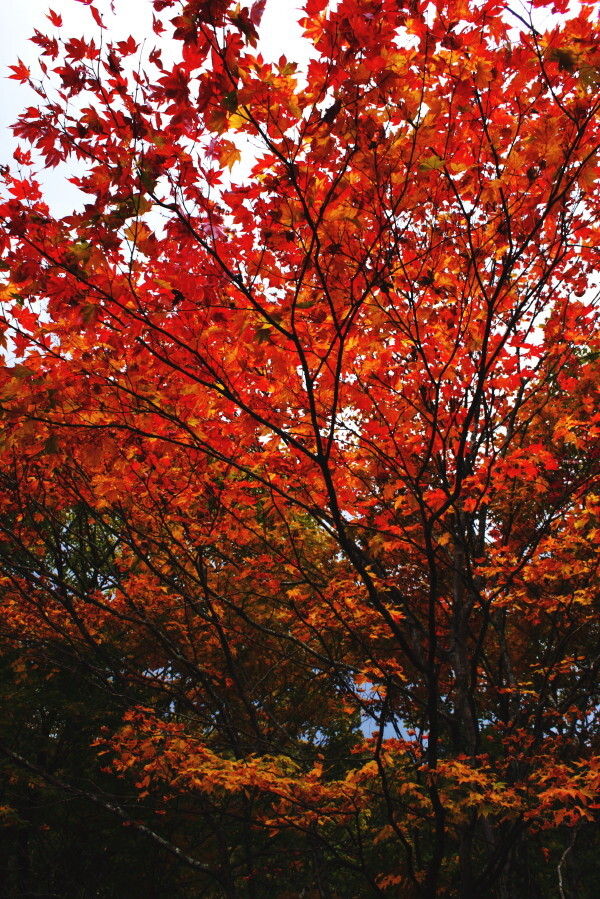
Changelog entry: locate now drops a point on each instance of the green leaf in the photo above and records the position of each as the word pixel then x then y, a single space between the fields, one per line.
pixel 263 334
pixel 230 101
pixel 51 444
pixel 566 59
pixel 589 76
pixel 431 164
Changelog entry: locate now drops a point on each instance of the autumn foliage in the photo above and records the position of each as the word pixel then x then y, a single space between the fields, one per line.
pixel 300 460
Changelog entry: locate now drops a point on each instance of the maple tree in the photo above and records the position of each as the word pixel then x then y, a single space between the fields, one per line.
pixel 300 465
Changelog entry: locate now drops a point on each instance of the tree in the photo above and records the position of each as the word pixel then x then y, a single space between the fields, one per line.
pixel 300 466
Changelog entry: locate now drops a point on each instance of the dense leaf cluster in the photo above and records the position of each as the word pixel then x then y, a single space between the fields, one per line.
pixel 300 459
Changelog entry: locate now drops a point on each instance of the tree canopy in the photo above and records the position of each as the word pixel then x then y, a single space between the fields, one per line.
pixel 300 459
